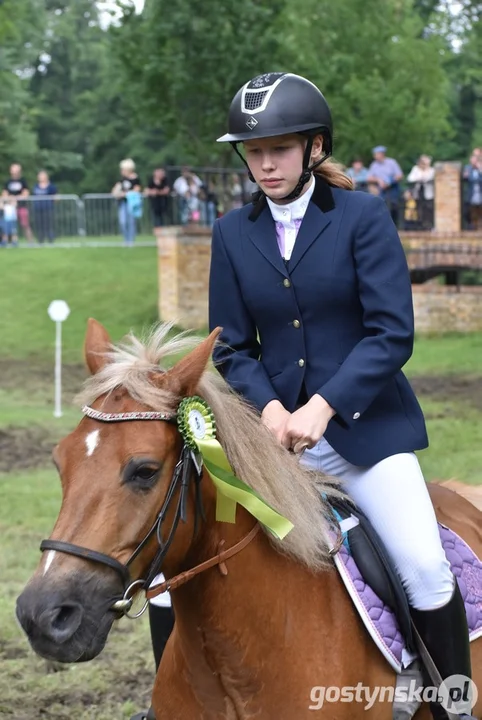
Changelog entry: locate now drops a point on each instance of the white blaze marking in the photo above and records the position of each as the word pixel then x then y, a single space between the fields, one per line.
pixel 92 440
pixel 49 560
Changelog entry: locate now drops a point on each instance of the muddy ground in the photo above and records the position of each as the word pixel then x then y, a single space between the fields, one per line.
pixel 23 448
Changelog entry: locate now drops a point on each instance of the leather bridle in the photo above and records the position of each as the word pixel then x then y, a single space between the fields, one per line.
pixel 187 470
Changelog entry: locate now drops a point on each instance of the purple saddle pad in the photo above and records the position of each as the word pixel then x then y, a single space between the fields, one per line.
pixel 379 619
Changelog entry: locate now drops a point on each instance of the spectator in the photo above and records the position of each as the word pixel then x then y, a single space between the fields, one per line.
pixel 236 191
pixel 386 173
pixel 359 174
pixel 212 202
pixel 473 178
pixel 410 211
pixel 249 188
pixel 16 187
pixel 158 191
pixel 127 191
pixel 422 175
pixel 43 208
pixel 187 188
pixel 10 229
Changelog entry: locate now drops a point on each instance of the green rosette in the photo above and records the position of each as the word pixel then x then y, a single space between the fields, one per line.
pixel 197 426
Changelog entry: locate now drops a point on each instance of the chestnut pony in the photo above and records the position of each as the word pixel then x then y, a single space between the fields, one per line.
pixel 253 634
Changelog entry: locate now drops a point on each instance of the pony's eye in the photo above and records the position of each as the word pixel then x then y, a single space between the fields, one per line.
pixel 146 473
pixel 141 475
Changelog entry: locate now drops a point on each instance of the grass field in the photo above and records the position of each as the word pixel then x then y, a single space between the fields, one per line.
pixel 118 286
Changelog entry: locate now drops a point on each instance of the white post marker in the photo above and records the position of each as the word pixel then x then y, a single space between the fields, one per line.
pixel 58 311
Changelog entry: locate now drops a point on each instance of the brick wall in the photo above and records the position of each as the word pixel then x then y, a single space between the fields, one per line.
pixel 447 205
pixel 183 266
pixel 441 308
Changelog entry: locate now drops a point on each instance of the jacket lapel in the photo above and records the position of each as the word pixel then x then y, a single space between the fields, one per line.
pixel 316 219
pixel 314 222
pixel 263 235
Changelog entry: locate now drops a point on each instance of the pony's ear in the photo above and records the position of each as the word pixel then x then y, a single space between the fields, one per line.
pixel 97 343
pixel 186 374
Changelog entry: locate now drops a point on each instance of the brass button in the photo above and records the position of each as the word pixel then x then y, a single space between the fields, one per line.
pixel 286 282
pixel 296 323
pixel 301 362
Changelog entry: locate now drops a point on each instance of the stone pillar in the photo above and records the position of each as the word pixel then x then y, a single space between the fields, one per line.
pixel 448 197
pixel 184 255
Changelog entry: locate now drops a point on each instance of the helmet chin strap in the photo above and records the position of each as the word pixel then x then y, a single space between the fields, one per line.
pixel 305 175
pixel 307 171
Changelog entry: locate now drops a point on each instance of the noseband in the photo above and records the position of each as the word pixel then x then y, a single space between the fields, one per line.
pixel 187 468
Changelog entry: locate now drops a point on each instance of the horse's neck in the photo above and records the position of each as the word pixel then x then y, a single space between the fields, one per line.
pixel 218 615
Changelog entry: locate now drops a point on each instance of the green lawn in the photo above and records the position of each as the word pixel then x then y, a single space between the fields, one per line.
pixel 117 285
pixel 446 355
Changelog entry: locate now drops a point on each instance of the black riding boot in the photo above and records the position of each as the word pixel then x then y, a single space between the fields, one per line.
pixel 445 634
pixel 161 621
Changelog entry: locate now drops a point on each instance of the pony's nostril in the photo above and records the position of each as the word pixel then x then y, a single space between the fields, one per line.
pixel 61 622
pixel 62 618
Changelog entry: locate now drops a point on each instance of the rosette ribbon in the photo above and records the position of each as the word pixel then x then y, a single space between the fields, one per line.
pixel 197 426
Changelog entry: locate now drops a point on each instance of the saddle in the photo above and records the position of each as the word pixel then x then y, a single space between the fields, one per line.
pixel 374 564
pixel 377 591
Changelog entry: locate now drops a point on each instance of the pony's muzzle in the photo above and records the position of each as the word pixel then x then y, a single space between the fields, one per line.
pixel 55 621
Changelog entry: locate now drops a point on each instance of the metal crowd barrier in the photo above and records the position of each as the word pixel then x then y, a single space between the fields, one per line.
pixel 47 218
pixel 95 215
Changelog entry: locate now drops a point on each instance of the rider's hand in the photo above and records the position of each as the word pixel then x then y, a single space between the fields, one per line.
pixel 306 426
pixel 275 417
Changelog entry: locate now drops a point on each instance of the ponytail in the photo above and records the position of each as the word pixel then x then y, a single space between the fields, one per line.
pixel 332 173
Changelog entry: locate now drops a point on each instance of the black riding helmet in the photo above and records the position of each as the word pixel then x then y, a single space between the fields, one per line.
pixel 280 104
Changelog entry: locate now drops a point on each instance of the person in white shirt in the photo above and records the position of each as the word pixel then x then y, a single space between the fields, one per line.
pixel 422 175
pixel 187 188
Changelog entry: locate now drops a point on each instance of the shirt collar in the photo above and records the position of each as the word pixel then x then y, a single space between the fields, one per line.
pixel 294 210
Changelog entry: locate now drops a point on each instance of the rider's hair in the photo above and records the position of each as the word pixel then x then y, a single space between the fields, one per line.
pixel 332 172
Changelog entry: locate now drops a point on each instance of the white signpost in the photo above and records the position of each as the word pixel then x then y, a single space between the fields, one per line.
pixel 58 311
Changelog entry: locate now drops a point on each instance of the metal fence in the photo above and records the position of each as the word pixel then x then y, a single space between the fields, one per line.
pixel 46 218
pixel 96 215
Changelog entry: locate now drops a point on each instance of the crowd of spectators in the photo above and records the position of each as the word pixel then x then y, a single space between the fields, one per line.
pixel 411 200
pixel 15 212
pixel 189 198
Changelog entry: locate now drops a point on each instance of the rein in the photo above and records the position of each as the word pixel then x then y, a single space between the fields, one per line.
pixel 186 468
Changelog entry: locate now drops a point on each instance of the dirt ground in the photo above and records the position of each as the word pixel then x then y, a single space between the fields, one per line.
pixel 33 376
pixel 25 448
pixel 462 388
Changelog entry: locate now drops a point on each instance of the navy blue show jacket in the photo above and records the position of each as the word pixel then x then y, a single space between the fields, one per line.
pixel 336 319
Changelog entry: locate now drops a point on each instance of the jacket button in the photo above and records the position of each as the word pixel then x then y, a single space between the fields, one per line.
pixel 286 282
pixel 296 323
pixel 356 416
pixel 301 362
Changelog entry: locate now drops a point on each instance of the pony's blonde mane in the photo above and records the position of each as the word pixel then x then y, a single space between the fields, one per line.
pixel 255 455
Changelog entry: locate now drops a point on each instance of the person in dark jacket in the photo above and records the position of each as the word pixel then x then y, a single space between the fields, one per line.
pixel 310 286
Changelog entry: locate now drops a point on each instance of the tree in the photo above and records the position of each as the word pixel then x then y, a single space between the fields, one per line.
pixel 365 55
pixel 184 61
pixel 18 47
pixel 385 83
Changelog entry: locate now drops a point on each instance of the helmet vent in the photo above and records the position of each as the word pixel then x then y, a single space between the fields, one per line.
pixel 254 100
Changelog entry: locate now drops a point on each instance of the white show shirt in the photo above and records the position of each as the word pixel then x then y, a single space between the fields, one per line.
pixel 288 219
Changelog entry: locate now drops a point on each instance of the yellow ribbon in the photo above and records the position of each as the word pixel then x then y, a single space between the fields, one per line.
pixel 230 489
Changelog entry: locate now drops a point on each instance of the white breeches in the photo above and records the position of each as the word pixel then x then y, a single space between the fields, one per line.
pixel 163 600
pixel 394 496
